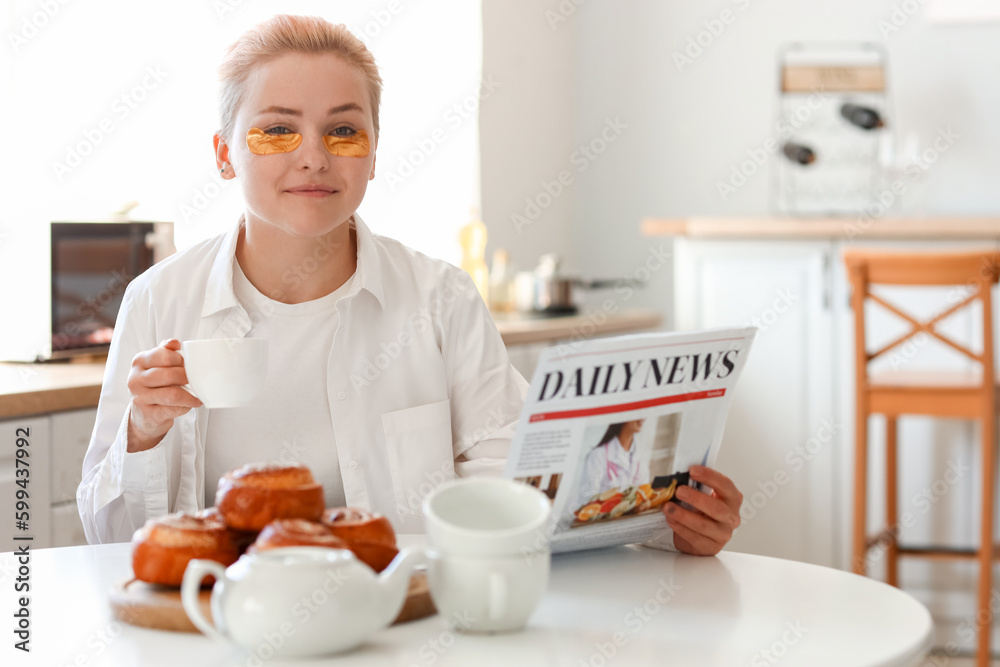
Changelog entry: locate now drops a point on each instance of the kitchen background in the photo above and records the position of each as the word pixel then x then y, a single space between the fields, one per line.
pixel 575 119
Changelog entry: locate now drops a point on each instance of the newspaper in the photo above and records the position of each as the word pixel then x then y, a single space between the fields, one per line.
pixel 611 427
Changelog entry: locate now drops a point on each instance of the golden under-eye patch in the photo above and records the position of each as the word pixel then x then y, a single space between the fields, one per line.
pixel 354 146
pixel 261 143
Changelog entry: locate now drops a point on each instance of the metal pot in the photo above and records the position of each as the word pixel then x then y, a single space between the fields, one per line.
pixel 544 291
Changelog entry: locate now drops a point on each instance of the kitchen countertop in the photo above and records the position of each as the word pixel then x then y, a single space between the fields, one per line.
pixel 630 606
pixel 849 227
pixel 521 329
pixel 27 389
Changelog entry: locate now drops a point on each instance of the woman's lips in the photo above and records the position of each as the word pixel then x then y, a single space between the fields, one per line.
pixel 312 193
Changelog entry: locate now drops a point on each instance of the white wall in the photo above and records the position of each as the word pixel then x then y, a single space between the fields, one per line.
pixel 526 129
pixel 124 95
pixel 687 129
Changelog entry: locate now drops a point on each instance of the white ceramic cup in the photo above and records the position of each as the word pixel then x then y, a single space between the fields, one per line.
pixel 486 517
pixel 487 594
pixel 225 372
pixel 488 552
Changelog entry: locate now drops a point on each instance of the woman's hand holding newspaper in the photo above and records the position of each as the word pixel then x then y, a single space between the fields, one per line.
pixel 706 530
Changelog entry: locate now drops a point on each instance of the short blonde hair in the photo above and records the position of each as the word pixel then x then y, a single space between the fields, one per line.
pixel 285 33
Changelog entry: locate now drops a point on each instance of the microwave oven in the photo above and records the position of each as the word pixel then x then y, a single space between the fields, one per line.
pixel 75 303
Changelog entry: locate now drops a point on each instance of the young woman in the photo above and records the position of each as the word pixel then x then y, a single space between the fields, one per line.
pixel 386 373
pixel 614 463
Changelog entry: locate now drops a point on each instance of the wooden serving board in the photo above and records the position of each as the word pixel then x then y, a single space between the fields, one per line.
pixel 159 607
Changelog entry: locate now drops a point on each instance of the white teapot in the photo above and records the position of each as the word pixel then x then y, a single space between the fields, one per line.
pixel 299 601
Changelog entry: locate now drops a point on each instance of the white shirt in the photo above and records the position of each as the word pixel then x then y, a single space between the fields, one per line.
pixel 289 421
pixel 419 385
pixel 610 466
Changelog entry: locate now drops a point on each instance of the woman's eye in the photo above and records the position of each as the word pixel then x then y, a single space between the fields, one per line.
pixel 281 129
pixel 347 132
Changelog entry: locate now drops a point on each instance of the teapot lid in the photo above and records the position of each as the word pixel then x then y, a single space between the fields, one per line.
pixel 304 555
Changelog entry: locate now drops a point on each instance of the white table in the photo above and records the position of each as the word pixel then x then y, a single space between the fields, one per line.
pixel 734 609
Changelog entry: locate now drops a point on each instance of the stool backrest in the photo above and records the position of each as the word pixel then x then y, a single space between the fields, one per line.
pixel 976 272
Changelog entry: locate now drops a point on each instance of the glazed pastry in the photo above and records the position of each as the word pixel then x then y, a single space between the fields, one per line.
pixel 242 538
pixel 252 496
pixel 369 536
pixel 358 525
pixel 295 533
pixel 162 548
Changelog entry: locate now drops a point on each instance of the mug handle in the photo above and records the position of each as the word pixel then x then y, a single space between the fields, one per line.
pixel 197 570
pixel 498 595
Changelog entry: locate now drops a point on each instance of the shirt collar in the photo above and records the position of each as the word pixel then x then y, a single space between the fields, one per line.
pixel 616 450
pixel 219 292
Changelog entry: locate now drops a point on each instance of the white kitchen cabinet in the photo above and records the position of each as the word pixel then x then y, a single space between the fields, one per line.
pixel 57 443
pixel 779 441
pixel 71 433
pixel 35 430
pixel 67 529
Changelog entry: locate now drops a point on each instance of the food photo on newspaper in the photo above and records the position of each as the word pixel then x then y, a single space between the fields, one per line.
pixel 611 427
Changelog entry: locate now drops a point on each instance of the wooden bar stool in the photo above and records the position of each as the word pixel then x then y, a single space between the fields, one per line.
pixel 970 395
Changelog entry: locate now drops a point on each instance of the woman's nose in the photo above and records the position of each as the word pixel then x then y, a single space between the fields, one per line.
pixel 313 153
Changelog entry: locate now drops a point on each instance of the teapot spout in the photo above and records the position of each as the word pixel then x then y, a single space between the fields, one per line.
pixel 395 582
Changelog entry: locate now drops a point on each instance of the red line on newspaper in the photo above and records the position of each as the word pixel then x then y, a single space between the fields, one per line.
pixel 649 347
pixel 625 407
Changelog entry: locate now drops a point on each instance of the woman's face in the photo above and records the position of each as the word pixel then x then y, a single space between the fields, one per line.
pixel 294 93
pixel 633 427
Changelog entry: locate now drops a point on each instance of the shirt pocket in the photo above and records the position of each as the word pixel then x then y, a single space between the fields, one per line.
pixel 420 454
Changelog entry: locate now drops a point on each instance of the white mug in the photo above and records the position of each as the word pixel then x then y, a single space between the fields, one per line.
pixel 225 372
pixel 487 594
pixel 486 517
pixel 488 552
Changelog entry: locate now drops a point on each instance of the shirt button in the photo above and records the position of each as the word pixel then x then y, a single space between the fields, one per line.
pixel 353 464
pixel 341 395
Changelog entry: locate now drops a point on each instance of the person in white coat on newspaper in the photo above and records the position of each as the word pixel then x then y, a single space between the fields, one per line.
pixel 299 131
pixel 615 463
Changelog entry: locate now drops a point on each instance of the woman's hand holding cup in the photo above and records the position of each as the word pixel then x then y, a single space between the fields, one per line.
pixel 156 383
